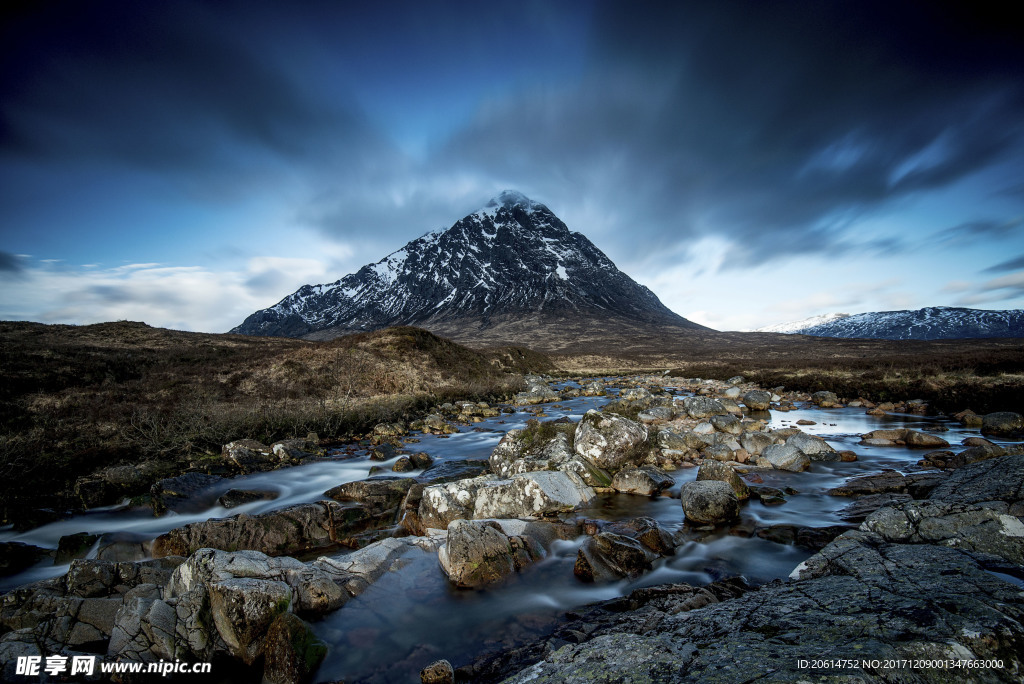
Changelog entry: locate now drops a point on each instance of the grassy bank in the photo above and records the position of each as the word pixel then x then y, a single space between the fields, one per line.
pixel 75 399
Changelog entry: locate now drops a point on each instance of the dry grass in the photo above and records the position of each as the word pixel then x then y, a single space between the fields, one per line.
pixel 75 399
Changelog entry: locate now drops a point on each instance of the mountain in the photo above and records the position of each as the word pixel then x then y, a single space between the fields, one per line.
pixel 511 269
pixel 798 326
pixel 931 323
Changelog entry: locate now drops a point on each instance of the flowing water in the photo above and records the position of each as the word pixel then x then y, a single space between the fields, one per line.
pixel 412 616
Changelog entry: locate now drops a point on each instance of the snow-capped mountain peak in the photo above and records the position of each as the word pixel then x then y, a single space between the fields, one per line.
pixel 512 257
pixel 929 323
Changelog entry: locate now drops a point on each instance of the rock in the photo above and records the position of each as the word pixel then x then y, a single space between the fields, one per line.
pixel 958 526
pixel 915 438
pixel 877 599
pixel 403 465
pixel 804 421
pixel 243 609
pixel 73 546
pixel 239 497
pixel 702 407
pixel 441 671
pixel 312 591
pixel 713 470
pixel 868 504
pixel 656 414
pixel 292 652
pixel 293 450
pixel 678 441
pixel 644 480
pixel 532 494
pixel 995 480
pixel 754 443
pixel 786 457
pixel 825 399
pixel 594 389
pixel 732 393
pixel 622 549
pixel 524 451
pixel 639 396
pixel 249 456
pixel 1002 423
pixel 455 469
pixel 813 446
pixel 769 496
pixel 383 452
pixel 421 460
pixel 888 481
pixel 382 496
pixel 436 424
pixel 182 492
pixel 123 546
pixel 921 484
pixel 728 424
pixel 442 503
pixel 540 395
pixel 889 436
pixel 709 501
pixel 608 440
pixel 478 553
pixel 385 430
pixel 736 380
pixel 757 400
pixel 286 531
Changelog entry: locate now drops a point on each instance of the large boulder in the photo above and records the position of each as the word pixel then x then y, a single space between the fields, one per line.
pixel 997 483
pixel 825 399
pixel 1002 423
pixel 645 480
pixel 249 456
pixel 714 470
pixel 292 652
pixel 191 490
pixel 786 457
pixel 544 446
pixel 757 400
pixel 608 440
pixel 286 531
pixel 703 407
pixel 532 494
pixel 380 495
pixel 478 553
pixel 442 503
pixel 958 526
pixel 709 501
pixel 622 549
pixel 816 448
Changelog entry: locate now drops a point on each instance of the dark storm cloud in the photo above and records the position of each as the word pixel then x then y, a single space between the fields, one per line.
pixel 1014 264
pixel 183 88
pixel 772 125
pixel 10 264
pixel 981 229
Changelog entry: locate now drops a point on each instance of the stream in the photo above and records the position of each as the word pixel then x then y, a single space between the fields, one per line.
pixel 413 616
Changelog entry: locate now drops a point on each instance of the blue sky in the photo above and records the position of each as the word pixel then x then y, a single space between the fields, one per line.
pixel 187 163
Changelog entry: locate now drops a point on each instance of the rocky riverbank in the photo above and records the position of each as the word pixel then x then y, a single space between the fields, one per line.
pixel 915 580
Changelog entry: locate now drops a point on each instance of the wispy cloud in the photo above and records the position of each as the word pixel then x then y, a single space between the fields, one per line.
pixel 186 298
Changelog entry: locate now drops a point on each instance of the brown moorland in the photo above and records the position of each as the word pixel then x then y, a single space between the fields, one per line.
pixel 74 399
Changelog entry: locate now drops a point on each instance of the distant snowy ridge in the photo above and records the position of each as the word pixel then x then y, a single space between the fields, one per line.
pixel 512 257
pixel 797 326
pixel 930 323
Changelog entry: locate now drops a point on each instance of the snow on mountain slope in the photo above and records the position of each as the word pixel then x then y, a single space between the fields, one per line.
pixel 797 326
pixel 930 323
pixel 513 256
